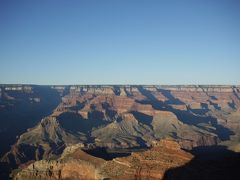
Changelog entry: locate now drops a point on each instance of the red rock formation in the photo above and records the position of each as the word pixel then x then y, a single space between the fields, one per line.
pixel 76 164
pixel 129 116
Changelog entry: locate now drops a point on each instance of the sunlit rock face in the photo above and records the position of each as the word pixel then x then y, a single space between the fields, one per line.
pixel 149 164
pixel 121 117
pixel 76 164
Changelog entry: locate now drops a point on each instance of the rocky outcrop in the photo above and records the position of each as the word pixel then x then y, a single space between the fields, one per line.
pixel 73 164
pixel 44 141
pixel 77 164
pixel 150 164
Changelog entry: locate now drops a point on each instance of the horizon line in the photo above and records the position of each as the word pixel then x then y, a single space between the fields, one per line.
pixel 31 84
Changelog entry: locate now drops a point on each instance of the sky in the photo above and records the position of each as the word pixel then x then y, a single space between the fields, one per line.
pixel 120 42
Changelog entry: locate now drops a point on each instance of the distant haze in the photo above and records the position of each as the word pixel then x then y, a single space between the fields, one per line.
pixel 120 42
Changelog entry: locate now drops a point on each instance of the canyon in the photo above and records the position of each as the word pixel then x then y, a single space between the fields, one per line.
pixel 50 132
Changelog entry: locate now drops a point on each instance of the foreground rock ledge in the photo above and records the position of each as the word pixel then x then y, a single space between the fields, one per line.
pixel 76 164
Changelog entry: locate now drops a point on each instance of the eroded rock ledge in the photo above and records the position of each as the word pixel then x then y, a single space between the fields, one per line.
pixel 76 164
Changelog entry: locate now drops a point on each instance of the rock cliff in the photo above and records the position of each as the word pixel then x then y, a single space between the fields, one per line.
pixel 120 117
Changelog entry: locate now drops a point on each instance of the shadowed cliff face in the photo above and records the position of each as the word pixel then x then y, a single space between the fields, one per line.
pixel 116 118
pixel 22 109
pixel 214 162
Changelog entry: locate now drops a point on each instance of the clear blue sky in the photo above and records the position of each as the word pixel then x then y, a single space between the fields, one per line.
pixel 120 41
